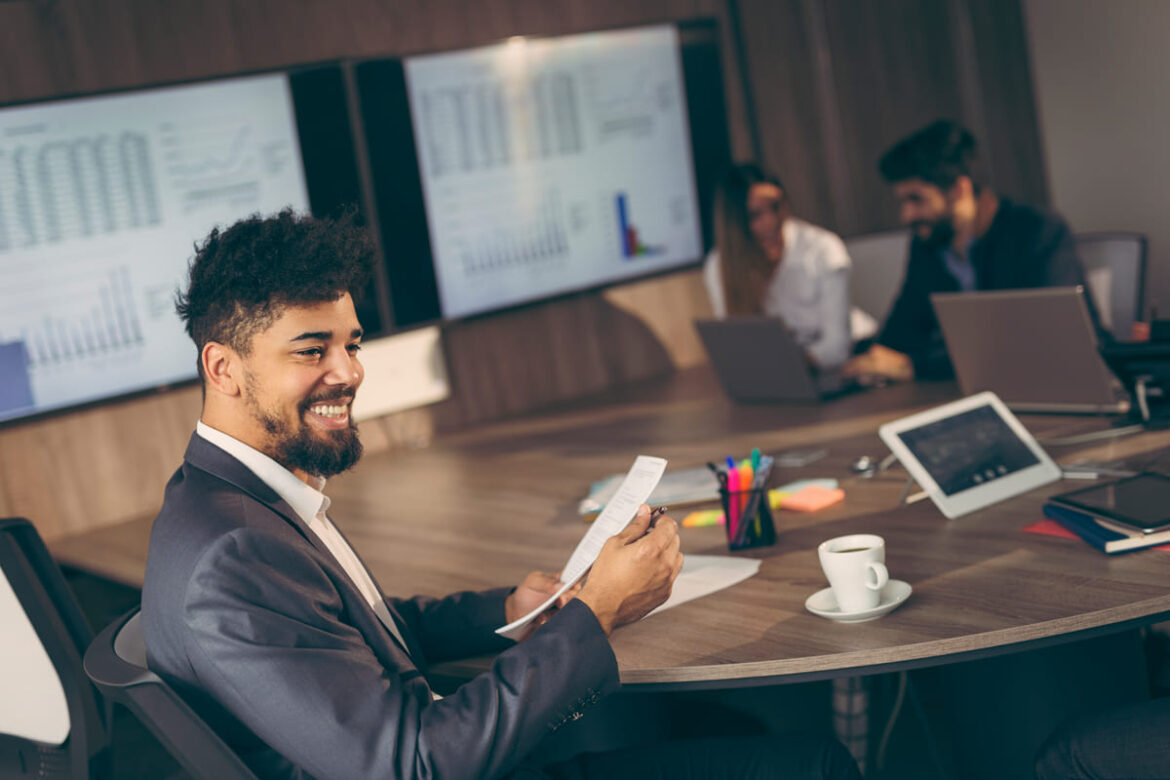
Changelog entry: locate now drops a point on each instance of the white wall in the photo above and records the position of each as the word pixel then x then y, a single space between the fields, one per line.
pixel 1101 72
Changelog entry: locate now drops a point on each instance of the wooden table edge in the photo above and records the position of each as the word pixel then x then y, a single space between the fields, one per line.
pixel 859 663
pixel 862 663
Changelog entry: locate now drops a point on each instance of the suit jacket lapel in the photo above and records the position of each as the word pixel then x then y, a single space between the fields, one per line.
pixel 204 455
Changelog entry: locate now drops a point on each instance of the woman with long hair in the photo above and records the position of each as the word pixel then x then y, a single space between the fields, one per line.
pixel 767 262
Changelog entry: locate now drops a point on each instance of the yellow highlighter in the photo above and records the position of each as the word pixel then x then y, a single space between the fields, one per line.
pixel 703 518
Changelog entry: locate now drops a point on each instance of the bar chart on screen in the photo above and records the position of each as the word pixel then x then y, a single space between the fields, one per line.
pixel 524 238
pixel 631 241
pixel 87 324
pixel 553 165
pixel 102 200
pixel 484 124
pixel 66 186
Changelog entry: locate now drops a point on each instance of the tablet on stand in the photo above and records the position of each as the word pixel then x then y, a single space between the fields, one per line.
pixel 969 454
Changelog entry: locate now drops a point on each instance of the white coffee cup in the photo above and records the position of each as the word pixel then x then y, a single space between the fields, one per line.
pixel 856 568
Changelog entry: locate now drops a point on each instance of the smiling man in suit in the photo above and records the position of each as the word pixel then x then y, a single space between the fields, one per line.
pixel 260 614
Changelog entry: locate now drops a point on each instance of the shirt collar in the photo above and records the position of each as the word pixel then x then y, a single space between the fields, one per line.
pixel 306 500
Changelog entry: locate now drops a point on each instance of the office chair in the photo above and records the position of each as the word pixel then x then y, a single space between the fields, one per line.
pixel 1115 270
pixel 879 263
pixel 53 723
pixel 116 663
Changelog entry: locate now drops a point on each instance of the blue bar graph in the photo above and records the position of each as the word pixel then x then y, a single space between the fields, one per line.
pixel 15 388
pixel 624 225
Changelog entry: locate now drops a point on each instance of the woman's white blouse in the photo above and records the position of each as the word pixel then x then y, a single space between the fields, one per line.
pixel 809 291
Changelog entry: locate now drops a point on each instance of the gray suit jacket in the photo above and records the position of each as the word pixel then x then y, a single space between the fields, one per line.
pixel 251 619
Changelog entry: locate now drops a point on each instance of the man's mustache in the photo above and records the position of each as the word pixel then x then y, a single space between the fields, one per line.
pixel 341 394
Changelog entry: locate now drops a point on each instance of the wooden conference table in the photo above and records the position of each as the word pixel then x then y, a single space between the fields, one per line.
pixel 484 507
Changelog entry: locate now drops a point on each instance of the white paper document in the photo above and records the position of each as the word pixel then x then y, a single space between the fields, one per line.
pixel 619 511
pixel 703 575
pixel 689 486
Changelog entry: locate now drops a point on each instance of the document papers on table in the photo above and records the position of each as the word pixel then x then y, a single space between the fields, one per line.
pixel 618 512
pixel 702 575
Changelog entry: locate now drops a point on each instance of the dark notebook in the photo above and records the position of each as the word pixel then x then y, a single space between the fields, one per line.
pixel 1106 536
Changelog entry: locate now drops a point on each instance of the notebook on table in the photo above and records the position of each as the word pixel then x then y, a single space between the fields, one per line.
pixel 1035 349
pixel 758 360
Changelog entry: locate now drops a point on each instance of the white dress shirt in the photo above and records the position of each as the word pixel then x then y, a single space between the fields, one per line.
pixel 310 504
pixel 809 291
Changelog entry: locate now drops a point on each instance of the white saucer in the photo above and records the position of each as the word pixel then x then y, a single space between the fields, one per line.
pixel 824 604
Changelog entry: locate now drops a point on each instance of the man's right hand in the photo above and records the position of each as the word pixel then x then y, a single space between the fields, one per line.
pixel 634 572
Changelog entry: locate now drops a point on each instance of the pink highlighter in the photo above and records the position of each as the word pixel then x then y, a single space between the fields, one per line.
pixel 746 473
pixel 732 501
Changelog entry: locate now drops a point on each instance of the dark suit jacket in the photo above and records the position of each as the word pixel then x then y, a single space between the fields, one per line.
pixel 1024 247
pixel 251 619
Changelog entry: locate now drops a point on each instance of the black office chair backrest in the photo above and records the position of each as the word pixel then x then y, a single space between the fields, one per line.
pixel 32 584
pixel 116 663
pixel 1115 271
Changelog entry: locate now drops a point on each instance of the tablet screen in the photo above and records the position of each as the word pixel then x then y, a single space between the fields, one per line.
pixel 968 449
pixel 1142 501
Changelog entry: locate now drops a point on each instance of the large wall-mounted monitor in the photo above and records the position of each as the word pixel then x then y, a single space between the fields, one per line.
pixel 537 167
pixel 101 201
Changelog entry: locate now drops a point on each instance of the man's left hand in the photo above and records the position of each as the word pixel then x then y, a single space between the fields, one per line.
pixel 534 591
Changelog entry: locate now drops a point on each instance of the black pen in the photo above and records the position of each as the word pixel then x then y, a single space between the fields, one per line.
pixel 719 473
pixel 654 515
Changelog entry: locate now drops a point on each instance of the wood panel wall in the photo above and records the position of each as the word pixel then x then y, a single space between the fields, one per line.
pixel 829 83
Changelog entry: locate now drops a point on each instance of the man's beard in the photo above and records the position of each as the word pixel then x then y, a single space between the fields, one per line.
pixel 942 231
pixel 320 453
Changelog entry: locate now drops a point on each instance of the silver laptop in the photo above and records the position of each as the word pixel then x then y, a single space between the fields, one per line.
pixel 1036 349
pixel 758 360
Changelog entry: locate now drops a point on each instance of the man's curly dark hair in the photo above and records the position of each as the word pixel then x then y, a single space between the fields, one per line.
pixel 243 277
pixel 938 154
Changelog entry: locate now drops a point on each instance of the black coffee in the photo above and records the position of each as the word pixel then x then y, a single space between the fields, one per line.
pixel 852 549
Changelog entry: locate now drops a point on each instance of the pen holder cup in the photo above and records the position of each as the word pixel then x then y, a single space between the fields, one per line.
pixel 747 518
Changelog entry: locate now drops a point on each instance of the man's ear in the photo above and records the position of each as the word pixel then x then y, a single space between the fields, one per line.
pixel 222 368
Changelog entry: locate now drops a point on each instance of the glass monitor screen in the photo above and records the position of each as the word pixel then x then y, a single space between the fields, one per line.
pixel 101 201
pixel 553 164
pixel 968 449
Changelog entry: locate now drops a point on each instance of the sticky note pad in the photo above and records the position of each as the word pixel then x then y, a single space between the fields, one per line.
pixel 812 498
pixel 703 518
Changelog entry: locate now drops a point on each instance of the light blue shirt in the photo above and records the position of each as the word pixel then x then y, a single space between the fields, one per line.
pixel 961 268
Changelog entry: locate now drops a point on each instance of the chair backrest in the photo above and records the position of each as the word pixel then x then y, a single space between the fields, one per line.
pixel 116 663
pixel 1115 271
pixel 879 264
pixel 53 723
